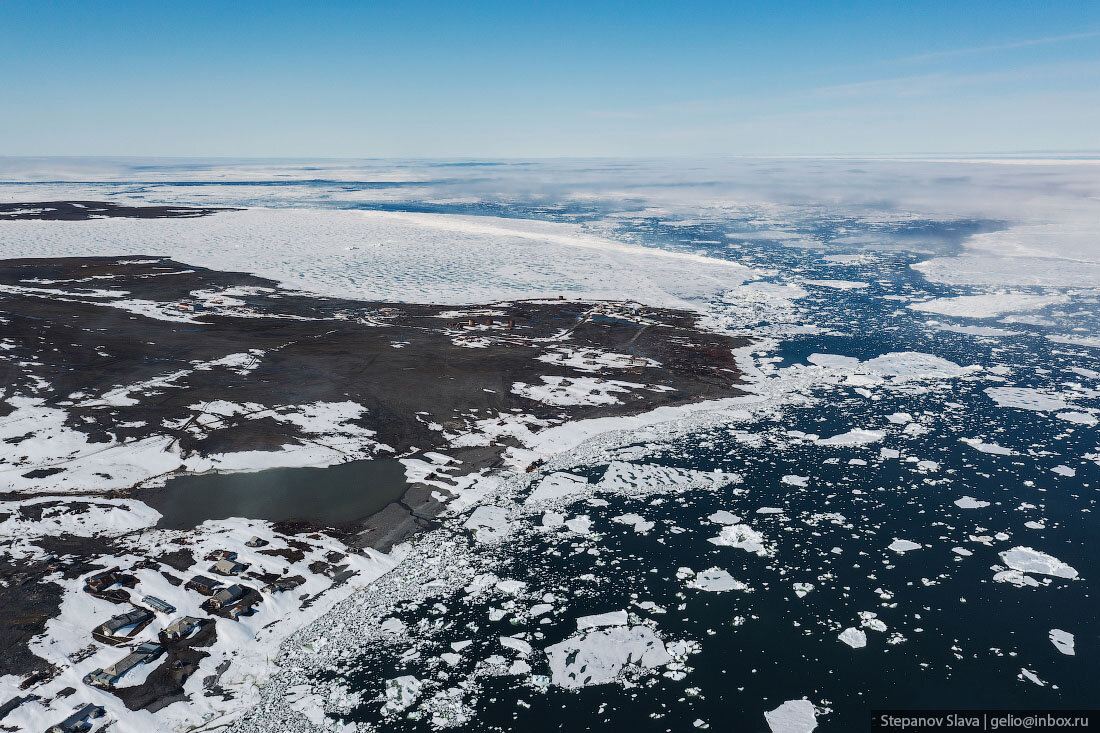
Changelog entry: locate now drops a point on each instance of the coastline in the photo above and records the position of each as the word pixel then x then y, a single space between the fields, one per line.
pixel 670 368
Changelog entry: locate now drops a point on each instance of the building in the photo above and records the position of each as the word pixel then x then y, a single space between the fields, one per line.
pixel 222 555
pixel 104 580
pixel 228 567
pixel 255 542
pixel 202 584
pixel 107 677
pixel 283 584
pixel 159 605
pixel 124 621
pixel 182 627
pixel 79 721
pixel 227 596
pixel 103 585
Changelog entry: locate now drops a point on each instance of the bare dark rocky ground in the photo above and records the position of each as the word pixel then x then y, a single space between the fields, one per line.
pixel 404 362
pixel 322 349
pixel 84 210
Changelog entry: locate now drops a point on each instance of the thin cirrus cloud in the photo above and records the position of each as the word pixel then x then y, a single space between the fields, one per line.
pixel 999 47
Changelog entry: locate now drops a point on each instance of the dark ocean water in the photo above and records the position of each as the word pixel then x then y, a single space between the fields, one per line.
pixel 954 637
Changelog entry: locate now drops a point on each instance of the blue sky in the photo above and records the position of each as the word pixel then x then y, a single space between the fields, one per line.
pixel 547 79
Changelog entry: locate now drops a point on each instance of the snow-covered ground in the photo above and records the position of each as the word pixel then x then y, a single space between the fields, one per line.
pixel 418 258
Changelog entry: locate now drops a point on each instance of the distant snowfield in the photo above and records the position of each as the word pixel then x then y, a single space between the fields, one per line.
pixel 376 255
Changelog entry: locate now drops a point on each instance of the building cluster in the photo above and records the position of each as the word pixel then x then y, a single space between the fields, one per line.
pixel 224 597
pixel 229 601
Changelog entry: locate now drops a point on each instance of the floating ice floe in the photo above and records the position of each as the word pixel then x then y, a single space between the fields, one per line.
pixel 1080 418
pixel 636 479
pixel 611 618
pixel 640 524
pixel 838 284
pixel 857 436
pixel 992 448
pixel 969 502
pixel 903 546
pixel 1026 398
pixel 1091 341
pixel 580 525
pixel 870 620
pixel 401 692
pixel 988 306
pixel 489 523
pixel 598 657
pixel 558 486
pixel 1027 674
pixel 793 716
pixel 742 537
pixel 398 256
pixel 715 580
pixel 981 331
pixel 853 637
pixel 833 361
pixel 1063 641
pixel 905 365
pixel 516 645
pixel 1029 560
pixel 899 365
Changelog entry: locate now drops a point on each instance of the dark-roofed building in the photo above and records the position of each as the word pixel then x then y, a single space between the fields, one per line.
pixel 103 585
pixel 227 596
pixel 181 627
pixel 202 584
pixel 228 567
pixel 104 580
pixel 124 621
pixel 159 605
pixel 283 584
pixel 79 721
pixel 107 677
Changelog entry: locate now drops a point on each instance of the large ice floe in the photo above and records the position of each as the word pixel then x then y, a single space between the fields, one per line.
pixel 374 255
